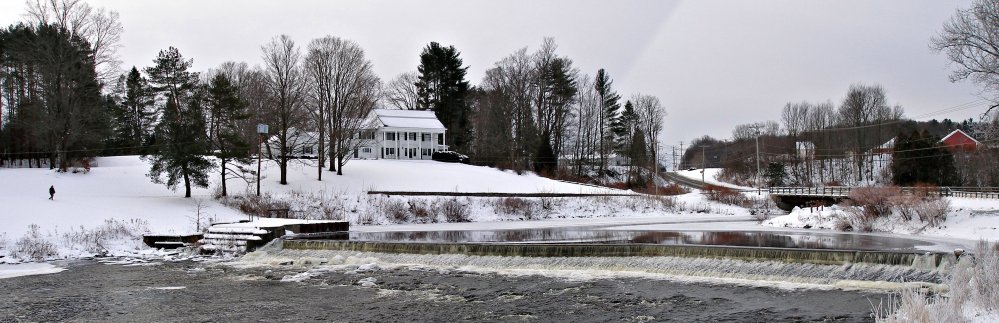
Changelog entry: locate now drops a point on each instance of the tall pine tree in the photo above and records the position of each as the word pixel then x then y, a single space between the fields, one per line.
pixel 181 143
pixel 442 88
pixel 227 111
pixel 609 112
pixel 133 115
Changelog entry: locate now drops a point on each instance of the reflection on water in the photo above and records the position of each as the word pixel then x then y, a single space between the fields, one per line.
pixel 723 238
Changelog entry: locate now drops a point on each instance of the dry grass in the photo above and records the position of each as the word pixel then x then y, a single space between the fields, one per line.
pixel 33 246
pixel 726 195
pixel 973 283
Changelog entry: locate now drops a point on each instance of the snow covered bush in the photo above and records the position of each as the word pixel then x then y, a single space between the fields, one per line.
pixel 454 210
pixel 260 206
pixel 933 212
pixel 972 294
pixel 515 206
pixel 33 246
pixel 422 211
pixel 395 210
pixel 97 240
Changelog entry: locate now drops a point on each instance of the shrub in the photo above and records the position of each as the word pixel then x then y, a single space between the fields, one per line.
pixel 253 205
pixel 515 206
pixel 726 195
pixel 974 282
pixel 366 218
pixel 420 209
pixel 933 212
pixel 395 210
pixel 33 246
pixel 454 210
pixel 673 189
pixel 875 201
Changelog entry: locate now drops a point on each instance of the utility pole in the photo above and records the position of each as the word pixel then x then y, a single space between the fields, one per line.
pixel 681 153
pixel 757 128
pixel 674 159
pixel 704 163
pixel 655 163
pixel 757 160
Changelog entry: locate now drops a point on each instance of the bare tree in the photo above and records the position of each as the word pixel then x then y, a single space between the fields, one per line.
pixel 401 92
pixel 651 116
pixel 101 27
pixel 860 109
pixel 587 110
pixel 346 89
pixel 285 84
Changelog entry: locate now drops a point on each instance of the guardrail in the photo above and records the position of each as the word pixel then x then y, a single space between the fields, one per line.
pixel 844 191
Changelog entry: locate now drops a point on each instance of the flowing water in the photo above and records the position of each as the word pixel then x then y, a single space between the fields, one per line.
pixel 767 239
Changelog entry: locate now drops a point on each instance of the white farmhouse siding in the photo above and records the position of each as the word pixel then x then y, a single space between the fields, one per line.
pixel 302 144
pixel 400 134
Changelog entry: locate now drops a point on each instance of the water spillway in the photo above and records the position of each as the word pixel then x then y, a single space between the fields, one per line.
pixel 921 260
pixel 766 258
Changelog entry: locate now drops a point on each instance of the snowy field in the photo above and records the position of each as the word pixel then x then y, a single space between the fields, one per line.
pixel 116 200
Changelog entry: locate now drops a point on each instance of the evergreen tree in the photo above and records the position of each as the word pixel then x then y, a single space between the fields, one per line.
pixel 180 136
pixel 226 112
pixel 776 174
pixel 919 159
pixel 442 88
pixel 638 155
pixel 609 112
pixel 133 114
pixel 54 108
pixel 545 161
pixel 623 128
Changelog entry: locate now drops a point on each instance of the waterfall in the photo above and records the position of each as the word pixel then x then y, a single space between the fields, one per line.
pixel 752 266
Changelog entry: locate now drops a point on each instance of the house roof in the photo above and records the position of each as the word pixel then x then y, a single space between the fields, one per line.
pixel 408 118
pixel 955 132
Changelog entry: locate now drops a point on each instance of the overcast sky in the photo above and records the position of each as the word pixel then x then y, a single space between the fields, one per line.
pixel 714 64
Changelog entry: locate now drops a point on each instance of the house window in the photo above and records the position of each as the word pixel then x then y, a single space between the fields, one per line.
pixel 412 152
pixel 440 139
pixel 366 150
pixel 412 136
pixel 390 151
pixel 425 137
pixel 366 134
pixel 307 150
pixel 389 136
pixel 427 152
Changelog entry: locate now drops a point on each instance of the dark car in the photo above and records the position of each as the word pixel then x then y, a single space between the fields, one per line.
pixel 448 156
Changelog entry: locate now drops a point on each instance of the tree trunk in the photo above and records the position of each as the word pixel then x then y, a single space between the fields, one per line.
pixel 187 181
pixel 222 166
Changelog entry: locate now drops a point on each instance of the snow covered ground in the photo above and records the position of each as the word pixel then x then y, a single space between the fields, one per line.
pixel 115 200
pixel 968 219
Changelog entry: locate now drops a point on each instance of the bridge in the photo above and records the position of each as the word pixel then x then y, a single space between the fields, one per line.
pixel 789 197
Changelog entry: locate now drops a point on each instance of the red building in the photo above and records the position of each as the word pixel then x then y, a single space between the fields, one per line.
pixel 959 141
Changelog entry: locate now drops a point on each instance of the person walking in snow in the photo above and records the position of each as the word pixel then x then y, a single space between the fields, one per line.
pixel 51 192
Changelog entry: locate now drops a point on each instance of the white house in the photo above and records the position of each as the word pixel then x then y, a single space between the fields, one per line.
pixel 400 134
pixel 303 144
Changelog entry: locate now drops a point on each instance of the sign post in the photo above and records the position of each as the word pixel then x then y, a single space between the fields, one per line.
pixel 261 131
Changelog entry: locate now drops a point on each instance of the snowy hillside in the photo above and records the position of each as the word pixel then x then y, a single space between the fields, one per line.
pixel 116 198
